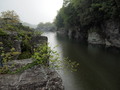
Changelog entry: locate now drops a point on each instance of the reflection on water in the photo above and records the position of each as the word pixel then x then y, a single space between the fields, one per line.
pixel 98 70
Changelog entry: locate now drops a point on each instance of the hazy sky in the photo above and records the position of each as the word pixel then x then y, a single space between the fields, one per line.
pixel 33 11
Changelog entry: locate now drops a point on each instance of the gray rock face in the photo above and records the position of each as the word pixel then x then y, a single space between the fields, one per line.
pixel 113 33
pixel 95 38
pixel 36 78
pixel 75 33
pixel 36 40
pixel 62 32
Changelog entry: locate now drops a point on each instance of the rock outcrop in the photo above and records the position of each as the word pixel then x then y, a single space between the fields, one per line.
pixel 62 32
pixel 76 33
pixel 112 31
pixel 95 38
pixel 36 40
pixel 36 78
pixel 11 40
pixel 108 34
pixel 112 35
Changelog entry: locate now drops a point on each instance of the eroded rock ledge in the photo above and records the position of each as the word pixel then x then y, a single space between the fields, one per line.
pixel 36 78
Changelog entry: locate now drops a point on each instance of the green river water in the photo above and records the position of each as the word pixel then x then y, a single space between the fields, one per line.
pixel 98 70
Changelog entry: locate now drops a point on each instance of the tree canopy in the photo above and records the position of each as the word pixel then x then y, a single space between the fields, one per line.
pixel 10 16
pixel 46 26
pixel 87 12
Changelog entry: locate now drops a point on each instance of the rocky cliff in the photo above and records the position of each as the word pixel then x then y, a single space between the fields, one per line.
pixel 75 33
pixel 107 35
pixel 112 35
pixel 23 40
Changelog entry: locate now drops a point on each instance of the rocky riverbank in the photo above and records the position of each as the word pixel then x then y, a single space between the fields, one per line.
pixel 107 34
pixel 17 44
pixel 35 78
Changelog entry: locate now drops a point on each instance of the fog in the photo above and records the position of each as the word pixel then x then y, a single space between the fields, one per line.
pixel 33 11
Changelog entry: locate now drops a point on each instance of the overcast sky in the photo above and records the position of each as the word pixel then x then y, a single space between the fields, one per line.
pixel 33 11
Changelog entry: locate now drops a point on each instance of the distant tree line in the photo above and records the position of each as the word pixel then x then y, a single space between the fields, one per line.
pixel 46 26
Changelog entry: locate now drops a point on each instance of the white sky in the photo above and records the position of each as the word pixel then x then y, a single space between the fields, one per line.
pixel 33 11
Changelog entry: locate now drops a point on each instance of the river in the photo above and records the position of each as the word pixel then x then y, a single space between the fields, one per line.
pixel 98 69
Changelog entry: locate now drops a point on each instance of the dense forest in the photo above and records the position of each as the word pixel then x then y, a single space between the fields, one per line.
pixel 82 13
pixel 91 21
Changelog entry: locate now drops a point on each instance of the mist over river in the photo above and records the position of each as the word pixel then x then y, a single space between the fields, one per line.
pixel 98 70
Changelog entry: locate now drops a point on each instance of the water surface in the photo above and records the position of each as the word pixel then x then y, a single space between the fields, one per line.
pixel 98 70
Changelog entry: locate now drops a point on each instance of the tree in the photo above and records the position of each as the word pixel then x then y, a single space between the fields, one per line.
pixel 87 13
pixel 59 19
pixel 10 17
pixel 46 26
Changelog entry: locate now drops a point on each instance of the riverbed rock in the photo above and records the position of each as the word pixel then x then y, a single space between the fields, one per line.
pixel 35 78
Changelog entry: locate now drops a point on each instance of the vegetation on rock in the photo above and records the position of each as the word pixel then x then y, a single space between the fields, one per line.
pixel 19 42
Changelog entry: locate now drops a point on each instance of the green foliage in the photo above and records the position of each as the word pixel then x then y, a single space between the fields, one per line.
pixel 26 43
pixel 44 53
pixel 6 59
pixel 37 33
pixel 25 55
pixel 46 27
pixel 2 32
pixel 41 56
pixel 10 17
pixel 26 46
pixel 87 13
pixel 59 19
